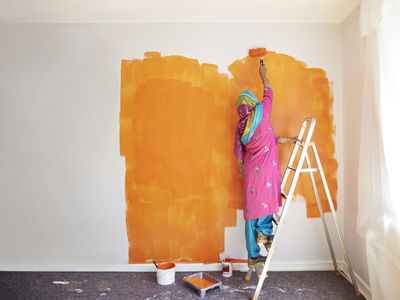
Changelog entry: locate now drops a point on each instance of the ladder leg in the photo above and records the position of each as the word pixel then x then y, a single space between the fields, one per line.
pixel 257 269
pixel 322 214
pixel 290 163
pixel 248 274
pixel 328 195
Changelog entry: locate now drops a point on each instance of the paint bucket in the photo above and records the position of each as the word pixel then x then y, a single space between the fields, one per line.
pixel 166 273
pixel 227 267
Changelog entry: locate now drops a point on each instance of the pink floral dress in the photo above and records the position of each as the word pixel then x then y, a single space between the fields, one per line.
pixel 262 176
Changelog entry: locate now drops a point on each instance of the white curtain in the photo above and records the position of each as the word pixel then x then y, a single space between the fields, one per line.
pixel 379 162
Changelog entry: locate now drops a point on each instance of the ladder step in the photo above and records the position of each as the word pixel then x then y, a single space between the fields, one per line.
pixel 305 170
pixel 309 170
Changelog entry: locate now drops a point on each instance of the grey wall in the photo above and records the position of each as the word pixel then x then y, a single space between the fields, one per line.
pixel 61 175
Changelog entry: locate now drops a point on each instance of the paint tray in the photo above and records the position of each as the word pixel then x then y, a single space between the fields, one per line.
pixel 201 283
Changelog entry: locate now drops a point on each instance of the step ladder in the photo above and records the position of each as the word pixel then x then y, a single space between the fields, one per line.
pixel 279 219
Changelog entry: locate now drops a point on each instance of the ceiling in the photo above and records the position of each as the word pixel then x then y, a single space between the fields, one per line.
pixel 93 11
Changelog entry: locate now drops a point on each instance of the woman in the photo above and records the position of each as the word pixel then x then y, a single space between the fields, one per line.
pixel 257 155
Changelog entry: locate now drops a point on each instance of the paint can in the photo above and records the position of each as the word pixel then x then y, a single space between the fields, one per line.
pixel 166 273
pixel 227 267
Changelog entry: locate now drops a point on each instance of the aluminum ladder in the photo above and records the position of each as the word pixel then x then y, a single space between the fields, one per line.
pixel 303 144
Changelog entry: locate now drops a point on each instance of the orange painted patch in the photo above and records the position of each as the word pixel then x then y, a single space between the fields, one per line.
pixel 178 122
pixel 182 186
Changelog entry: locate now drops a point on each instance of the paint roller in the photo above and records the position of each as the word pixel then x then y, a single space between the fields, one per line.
pixel 258 52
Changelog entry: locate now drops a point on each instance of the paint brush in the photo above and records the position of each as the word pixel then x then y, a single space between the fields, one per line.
pixel 258 52
pixel 155 264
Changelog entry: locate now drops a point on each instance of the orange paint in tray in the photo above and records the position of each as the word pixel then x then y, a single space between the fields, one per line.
pixel 201 283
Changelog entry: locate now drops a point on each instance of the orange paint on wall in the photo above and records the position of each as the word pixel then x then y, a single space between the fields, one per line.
pixel 182 188
pixel 177 128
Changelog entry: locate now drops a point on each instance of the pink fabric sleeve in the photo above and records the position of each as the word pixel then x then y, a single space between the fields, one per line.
pixel 268 95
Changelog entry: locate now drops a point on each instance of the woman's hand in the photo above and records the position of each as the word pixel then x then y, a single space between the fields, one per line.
pixel 263 70
pixel 283 140
pixel 263 74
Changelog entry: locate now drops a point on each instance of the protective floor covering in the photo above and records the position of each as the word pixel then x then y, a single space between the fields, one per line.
pixel 125 285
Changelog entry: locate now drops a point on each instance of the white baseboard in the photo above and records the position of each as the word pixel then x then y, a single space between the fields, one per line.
pixel 362 286
pixel 195 267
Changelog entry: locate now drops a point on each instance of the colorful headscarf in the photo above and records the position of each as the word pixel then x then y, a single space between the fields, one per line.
pixel 250 113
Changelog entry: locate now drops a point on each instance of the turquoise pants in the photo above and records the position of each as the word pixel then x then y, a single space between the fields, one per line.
pixel 252 228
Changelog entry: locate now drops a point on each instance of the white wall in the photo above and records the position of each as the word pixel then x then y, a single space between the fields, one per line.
pixel 352 95
pixel 61 175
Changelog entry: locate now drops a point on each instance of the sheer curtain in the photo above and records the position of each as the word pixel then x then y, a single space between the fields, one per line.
pixel 379 162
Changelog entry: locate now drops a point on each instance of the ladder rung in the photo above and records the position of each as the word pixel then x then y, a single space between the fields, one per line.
pixel 305 170
pixel 309 170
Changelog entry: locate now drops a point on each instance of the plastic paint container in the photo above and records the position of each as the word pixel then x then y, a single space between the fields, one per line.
pixel 166 273
pixel 227 267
